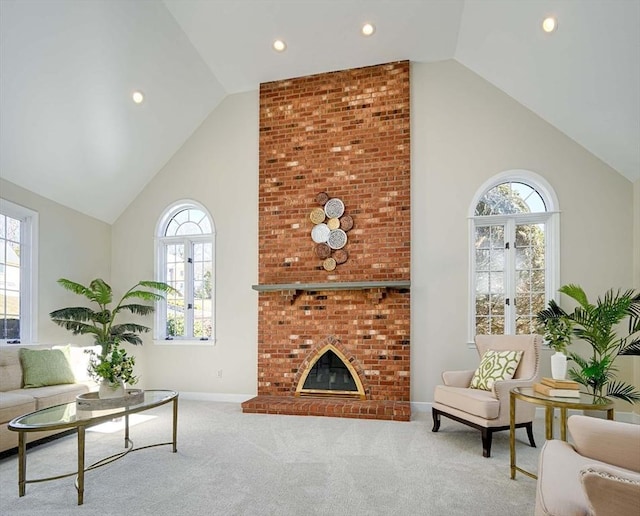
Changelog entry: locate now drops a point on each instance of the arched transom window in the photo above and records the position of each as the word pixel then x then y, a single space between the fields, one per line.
pixel 513 253
pixel 185 260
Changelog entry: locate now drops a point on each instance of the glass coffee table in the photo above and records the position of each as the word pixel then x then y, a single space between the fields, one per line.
pixel 68 416
pixel 528 394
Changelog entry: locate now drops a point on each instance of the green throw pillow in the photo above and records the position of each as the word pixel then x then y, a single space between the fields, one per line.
pixel 495 366
pixel 41 367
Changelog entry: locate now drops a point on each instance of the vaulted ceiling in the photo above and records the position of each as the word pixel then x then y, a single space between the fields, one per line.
pixel 70 132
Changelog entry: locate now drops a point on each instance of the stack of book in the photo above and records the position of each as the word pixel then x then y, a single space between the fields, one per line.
pixel 558 388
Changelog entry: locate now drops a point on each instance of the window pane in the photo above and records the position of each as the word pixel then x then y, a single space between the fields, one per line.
pixel 482 305
pixel 525 325
pixel 203 302
pixel 10 278
pixel 174 276
pixel 497 326
pixel 523 281
pixel 482 325
pixel 188 222
pixel 530 275
pixel 482 260
pixel 496 282
pixel 509 198
pixel 497 304
pixel 482 237
pixel 497 237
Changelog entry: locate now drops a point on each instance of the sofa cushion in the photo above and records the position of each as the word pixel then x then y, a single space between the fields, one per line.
pixel 10 369
pixel 14 404
pixel 42 367
pixel 78 358
pixel 473 401
pixel 495 366
pixel 57 394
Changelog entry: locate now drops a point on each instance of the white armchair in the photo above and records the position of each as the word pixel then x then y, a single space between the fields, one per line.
pixel 598 475
pixel 488 410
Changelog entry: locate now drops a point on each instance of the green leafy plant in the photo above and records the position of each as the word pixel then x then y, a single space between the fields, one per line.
pixel 116 365
pixel 113 362
pixel 598 324
pixel 556 327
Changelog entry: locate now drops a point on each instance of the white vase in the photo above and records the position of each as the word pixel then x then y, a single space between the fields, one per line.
pixel 111 389
pixel 558 365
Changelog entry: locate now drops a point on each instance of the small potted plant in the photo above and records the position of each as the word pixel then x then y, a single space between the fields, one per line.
pixel 113 366
pixel 557 329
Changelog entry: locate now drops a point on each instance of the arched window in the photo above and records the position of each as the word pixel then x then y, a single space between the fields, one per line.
pixel 514 253
pixel 185 251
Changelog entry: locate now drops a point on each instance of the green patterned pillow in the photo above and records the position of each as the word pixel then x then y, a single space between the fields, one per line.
pixel 495 366
pixel 42 367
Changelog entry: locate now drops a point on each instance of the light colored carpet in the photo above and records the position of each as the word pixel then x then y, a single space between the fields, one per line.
pixel 229 463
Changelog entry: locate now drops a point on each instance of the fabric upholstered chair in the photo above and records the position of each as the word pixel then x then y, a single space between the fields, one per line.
pixel 599 474
pixel 488 410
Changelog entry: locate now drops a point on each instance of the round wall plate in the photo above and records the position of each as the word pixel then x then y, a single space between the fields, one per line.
pixel 320 233
pixel 334 208
pixel 333 223
pixel 329 264
pixel 337 239
pixel 323 251
pixel 317 215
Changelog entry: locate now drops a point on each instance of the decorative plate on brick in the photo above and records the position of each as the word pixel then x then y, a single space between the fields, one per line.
pixel 323 251
pixel 320 233
pixel 334 208
pixel 333 223
pixel 329 264
pixel 317 215
pixel 322 198
pixel 346 223
pixel 340 256
pixel 337 239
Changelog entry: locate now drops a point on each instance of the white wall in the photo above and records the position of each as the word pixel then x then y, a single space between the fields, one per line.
pixel 218 167
pixel 463 131
pixel 70 245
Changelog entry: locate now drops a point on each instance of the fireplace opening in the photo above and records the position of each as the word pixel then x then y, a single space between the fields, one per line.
pixel 330 375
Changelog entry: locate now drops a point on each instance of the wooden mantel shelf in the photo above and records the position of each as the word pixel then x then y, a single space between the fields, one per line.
pixel 377 289
pixel 333 285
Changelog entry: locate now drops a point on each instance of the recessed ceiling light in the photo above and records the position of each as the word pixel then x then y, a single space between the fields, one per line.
pixel 549 24
pixel 279 45
pixel 368 29
pixel 137 97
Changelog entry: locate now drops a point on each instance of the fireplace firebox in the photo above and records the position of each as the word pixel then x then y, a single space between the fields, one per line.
pixel 330 374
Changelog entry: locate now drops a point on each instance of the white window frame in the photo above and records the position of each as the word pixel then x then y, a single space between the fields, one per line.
pixel 28 269
pixel 551 219
pixel 160 243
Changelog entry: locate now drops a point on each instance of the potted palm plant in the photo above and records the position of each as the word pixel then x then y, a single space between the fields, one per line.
pixel 600 325
pixel 113 367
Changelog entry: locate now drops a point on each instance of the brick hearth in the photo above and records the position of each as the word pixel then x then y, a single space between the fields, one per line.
pixel 347 134
pixel 393 410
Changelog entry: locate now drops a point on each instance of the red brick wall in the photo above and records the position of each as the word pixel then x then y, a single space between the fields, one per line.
pixel 347 134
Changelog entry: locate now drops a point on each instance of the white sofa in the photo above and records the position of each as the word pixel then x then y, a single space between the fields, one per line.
pixel 15 400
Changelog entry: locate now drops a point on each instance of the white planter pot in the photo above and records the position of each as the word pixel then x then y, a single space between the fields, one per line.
pixel 111 390
pixel 558 365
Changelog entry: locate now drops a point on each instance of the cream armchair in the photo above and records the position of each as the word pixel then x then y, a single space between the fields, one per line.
pixel 598 475
pixel 488 411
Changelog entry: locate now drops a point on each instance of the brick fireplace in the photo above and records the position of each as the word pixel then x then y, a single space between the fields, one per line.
pixel 341 135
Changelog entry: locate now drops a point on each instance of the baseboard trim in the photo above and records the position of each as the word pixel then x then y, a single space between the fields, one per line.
pixel 216 396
